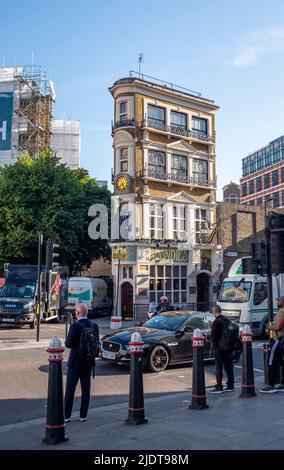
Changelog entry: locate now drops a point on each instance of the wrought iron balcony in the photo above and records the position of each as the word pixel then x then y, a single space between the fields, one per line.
pixel 123 123
pixel 178 130
pixel 185 179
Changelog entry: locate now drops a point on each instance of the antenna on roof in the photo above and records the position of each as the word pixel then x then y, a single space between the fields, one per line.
pixel 140 60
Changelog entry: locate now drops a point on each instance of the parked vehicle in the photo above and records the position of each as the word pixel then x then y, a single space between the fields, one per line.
pixel 167 340
pixel 94 292
pixel 243 298
pixel 18 294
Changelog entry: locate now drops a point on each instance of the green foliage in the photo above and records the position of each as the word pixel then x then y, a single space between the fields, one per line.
pixel 41 195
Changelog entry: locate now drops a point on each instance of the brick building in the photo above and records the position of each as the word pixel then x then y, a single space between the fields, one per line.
pixel 231 193
pixel 263 175
pixel 165 184
pixel 237 228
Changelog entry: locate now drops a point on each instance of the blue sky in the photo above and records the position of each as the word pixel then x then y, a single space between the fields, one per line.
pixel 230 51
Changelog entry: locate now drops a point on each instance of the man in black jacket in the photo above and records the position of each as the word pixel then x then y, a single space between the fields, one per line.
pixel 223 358
pixel 79 368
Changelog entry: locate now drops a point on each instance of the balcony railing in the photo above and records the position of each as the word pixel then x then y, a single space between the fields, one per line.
pixel 175 129
pixel 163 175
pixel 123 123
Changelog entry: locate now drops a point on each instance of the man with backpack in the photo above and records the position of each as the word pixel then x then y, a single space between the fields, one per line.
pixel 83 340
pixel 225 338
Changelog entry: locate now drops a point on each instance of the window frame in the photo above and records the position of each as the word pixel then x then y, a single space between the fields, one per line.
pixel 179 172
pixel 123 115
pixel 179 113
pixel 155 216
pixel 149 106
pixel 198 129
pixel 123 159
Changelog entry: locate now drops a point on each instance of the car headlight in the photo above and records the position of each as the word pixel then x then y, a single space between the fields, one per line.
pixel 127 348
pixel 28 306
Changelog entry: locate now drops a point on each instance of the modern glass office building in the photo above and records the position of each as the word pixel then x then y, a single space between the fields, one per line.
pixel 263 175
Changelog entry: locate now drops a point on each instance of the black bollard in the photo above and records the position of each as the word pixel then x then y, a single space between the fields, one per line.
pixel 247 388
pixel 198 401
pixel 136 394
pixel 55 426
pixel 266 350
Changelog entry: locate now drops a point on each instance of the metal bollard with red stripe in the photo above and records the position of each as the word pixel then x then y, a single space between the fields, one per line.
pixel 55 427
pixel 136 395
pixel 266 350
pixel 247 388
pixel 198 401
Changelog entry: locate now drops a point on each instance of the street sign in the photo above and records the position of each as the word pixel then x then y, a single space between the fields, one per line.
pixel 231 254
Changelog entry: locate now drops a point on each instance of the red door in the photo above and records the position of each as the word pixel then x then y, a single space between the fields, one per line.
pixel 127 301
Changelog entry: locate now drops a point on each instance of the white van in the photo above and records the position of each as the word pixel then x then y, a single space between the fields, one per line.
pixel 243 298
pixel 92 291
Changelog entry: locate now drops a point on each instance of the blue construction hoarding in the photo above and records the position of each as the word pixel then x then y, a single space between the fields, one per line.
pixel 6 116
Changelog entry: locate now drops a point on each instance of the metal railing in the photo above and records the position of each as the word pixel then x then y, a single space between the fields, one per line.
pixel 176 129
pixel 185 179
pixel 123 123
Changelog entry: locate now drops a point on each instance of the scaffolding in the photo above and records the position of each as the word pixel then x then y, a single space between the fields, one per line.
pixel 33 101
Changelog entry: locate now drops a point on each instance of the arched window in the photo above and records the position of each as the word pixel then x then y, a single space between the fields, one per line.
pixel 233 199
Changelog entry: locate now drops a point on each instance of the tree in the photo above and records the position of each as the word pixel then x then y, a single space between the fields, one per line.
pixel 42 195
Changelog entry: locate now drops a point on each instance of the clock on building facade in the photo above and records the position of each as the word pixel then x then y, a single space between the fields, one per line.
pixel 122 183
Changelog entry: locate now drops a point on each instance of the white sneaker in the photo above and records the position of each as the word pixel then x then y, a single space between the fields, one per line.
pixel 82 420
pixel 279 388
pixel 268 389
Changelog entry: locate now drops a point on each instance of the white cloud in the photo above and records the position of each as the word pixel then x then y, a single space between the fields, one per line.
pixel 259 44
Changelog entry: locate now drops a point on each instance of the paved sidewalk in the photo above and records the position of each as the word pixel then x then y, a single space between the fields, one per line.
pixel 229 423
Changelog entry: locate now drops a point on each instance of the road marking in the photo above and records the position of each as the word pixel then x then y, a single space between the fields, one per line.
pixel 255 370
pixel 13 347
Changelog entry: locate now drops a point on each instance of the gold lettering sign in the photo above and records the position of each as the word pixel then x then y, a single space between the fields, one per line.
pixel 170 254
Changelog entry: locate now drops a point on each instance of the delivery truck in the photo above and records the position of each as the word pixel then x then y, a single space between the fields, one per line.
pixel 18 295
pixel 95 292
pixel 243 298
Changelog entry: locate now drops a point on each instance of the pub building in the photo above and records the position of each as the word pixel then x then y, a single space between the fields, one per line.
pixel 164 202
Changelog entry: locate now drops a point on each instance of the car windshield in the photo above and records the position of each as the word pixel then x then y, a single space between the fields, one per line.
pixel 164 322
pixel 235 291
pixel 18 291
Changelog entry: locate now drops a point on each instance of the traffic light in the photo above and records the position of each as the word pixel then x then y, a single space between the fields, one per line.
pixel 249 266
pixel 259 256
pixel 51 255
pixel 276 220
pixel 277 252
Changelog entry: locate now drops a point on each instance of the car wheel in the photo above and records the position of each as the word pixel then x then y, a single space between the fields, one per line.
pixel 158 359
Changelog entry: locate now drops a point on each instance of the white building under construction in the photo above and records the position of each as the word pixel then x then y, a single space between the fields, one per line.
pixel 27 97
pixel 26 100
pixel 66 141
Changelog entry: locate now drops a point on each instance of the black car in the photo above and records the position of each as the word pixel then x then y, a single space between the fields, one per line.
pixel 167 340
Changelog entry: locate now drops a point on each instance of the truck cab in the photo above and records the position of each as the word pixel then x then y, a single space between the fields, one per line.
pixel 17 295
pixel 243 298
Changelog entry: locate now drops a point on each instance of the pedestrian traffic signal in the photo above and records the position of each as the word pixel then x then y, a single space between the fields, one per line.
pixel 52 255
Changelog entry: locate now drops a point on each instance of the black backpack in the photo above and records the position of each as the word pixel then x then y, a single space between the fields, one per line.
pixel 230 338
pixel 88 347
